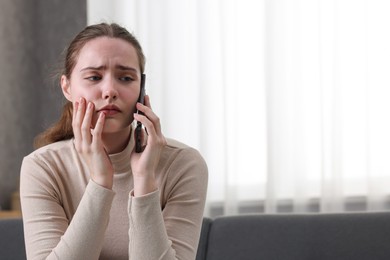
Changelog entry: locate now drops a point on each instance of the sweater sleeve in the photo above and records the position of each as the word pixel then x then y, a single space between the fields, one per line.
pixel 172 232
pixel 48 233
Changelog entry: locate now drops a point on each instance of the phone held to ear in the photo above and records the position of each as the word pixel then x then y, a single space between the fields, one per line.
pixel 138 129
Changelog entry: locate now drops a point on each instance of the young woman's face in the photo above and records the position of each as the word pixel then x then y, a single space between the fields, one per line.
pixel 107 74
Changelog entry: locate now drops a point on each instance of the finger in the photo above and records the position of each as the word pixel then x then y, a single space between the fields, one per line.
pixel 152 140
pixel 147 123
pixel 78 119
pixel 74 112
pixel 76 133
pixel 147 101
pixel 98 130
pixel 146 106
pixel 148 112
pixel 86 124
pixel 152 116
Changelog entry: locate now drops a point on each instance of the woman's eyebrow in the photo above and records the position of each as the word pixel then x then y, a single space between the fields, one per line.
pixel 93 68
pixel 121 67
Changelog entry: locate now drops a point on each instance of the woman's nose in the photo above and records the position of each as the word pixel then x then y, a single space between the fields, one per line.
pixel 110 92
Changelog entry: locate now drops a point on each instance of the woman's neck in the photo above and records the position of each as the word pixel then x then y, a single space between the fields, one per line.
pixel 116 142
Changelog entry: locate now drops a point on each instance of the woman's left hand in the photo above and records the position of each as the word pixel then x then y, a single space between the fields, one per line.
pixel 144 164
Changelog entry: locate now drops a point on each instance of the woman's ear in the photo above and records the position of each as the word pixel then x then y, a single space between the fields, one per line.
pixel 65 86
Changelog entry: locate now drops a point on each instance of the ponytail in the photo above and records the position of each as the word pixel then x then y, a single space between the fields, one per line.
pixel 61 130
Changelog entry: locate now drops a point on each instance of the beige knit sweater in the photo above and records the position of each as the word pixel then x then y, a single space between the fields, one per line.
pixel 68 216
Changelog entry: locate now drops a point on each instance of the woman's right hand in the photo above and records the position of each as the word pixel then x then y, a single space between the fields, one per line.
pixel 89 143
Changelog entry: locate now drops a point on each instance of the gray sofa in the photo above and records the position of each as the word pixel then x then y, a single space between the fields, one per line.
pixel 354 236
pixel 11 239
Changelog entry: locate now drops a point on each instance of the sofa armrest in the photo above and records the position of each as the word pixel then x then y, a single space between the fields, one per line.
pixel 203 240
pixel 12 239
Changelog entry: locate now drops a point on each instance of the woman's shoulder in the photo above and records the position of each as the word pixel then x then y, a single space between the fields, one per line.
pixel 45 161
pixel 181 153
pixel 60 148
pixel 175 146
pixel 183 169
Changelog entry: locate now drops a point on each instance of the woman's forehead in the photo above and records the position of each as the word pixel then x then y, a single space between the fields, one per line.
pixel 108 52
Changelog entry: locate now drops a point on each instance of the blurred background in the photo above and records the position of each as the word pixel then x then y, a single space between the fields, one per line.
pixel 33 35
pixel 287 101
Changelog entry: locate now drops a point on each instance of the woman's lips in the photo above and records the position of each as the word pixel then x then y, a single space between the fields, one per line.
pixel 109 110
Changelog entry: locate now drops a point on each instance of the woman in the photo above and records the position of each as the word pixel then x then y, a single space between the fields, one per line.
pixel 85 193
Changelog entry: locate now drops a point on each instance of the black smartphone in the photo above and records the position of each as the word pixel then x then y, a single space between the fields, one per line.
pixel 138 129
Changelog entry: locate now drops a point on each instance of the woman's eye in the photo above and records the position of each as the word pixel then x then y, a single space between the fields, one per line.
pixel 126 79
pixel 94 78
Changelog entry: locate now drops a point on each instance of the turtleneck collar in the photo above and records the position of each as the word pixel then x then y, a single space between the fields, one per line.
pixel 121 160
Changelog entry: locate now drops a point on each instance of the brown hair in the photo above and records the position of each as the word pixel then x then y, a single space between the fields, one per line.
pixel 62 129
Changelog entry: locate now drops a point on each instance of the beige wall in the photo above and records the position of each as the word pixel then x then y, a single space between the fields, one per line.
pixel 32 36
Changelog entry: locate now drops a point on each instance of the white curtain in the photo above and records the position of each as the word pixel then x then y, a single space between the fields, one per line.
pixel 288 101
